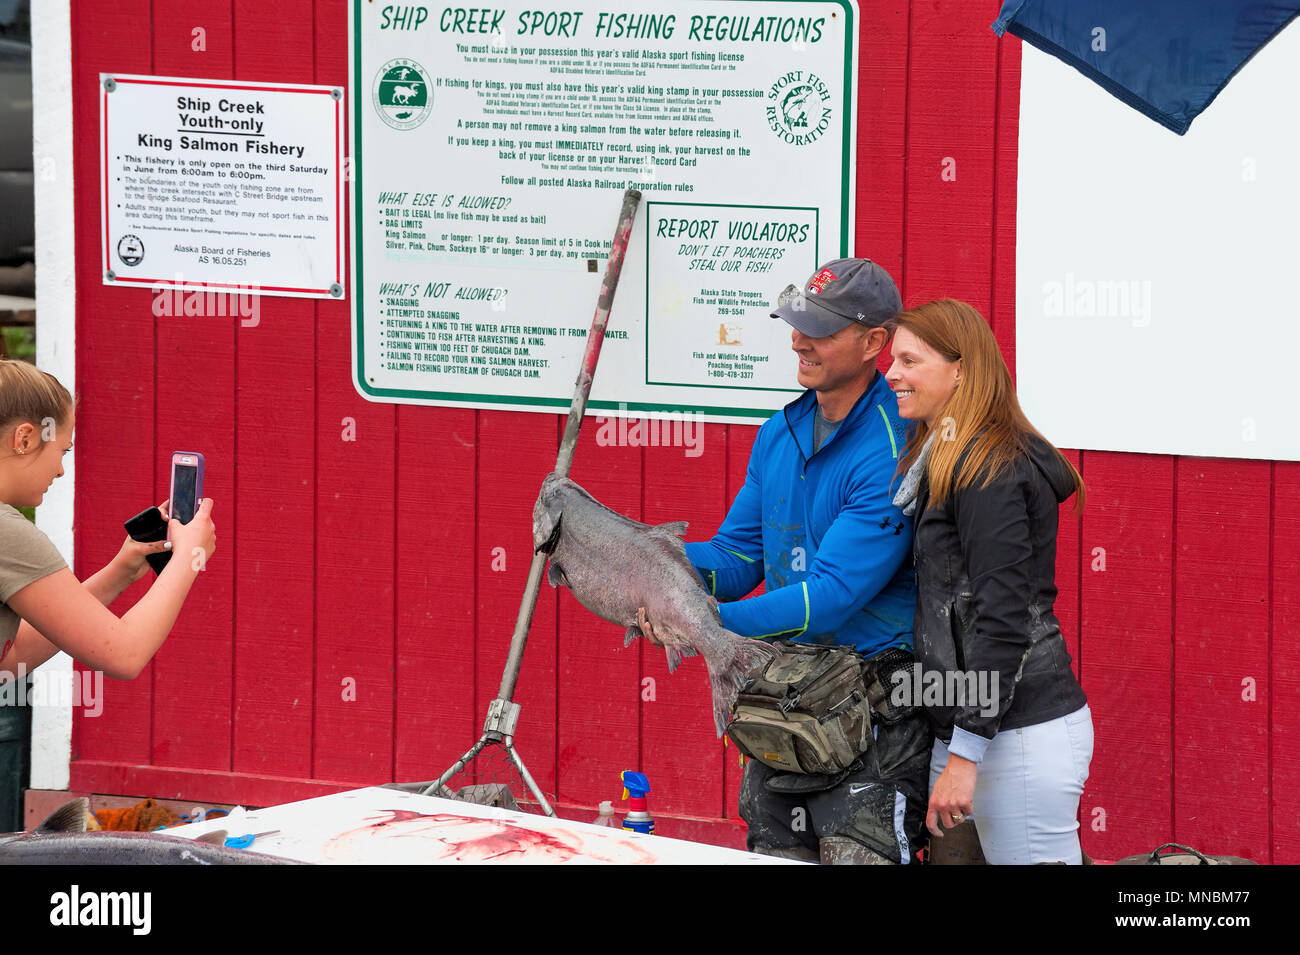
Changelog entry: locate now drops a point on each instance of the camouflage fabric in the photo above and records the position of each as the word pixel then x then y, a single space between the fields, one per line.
pixel 879 803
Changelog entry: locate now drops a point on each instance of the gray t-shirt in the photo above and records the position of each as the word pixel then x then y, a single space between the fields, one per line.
pixel 822 429
pixel 26 555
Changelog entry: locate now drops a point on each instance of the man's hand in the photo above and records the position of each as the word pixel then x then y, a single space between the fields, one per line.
pixel 647 629
pixel 953 797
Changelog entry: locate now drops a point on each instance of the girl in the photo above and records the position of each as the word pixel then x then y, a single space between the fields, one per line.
pixel 44 608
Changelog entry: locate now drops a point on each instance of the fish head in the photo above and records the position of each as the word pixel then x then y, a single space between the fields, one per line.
pixel 547 514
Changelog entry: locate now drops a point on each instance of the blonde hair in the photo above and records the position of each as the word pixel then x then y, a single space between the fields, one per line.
pixel 28 394
pixel 982 419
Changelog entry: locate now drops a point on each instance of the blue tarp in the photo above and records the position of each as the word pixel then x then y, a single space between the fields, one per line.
pixel 1167 58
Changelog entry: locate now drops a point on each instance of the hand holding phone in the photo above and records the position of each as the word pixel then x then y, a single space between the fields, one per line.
pixel 196 541
pixel 187 504
pixel 186 485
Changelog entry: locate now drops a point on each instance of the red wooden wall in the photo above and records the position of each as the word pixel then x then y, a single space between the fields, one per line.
pixel 373 560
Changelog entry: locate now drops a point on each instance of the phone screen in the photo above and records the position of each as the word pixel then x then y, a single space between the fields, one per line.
pixel 183 506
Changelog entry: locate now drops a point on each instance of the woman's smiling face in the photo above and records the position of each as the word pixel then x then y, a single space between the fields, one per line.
pixel 922 379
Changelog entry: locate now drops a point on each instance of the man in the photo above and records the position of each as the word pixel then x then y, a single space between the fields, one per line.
pixel 815 521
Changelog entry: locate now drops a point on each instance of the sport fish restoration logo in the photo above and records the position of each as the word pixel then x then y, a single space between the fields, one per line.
pixel 798 108
pixel 402 95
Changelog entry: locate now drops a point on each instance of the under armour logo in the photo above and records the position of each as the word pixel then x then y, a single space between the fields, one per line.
pixel 898 527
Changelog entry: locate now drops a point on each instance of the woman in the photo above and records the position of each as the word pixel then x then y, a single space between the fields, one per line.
pixel 45 609
pixel 1013 730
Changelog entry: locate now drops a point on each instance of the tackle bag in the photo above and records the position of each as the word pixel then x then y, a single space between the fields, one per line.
pixel 810 709
pixel 1185 855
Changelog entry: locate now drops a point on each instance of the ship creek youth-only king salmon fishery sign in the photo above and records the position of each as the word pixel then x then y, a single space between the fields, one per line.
pixel 218 186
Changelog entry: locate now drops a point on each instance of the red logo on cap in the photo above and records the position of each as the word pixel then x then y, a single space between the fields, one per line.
pixel 821 280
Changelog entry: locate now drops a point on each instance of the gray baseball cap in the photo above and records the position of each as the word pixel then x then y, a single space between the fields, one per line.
pixel 839 293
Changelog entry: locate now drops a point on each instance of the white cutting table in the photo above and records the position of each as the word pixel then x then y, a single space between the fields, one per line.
pixel 389 827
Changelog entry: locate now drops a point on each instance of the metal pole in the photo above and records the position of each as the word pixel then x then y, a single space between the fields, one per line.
pixel 528 777
pixel 436 788
pixel 569 443
pixel 503 712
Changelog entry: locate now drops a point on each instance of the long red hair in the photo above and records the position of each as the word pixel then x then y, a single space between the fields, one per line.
pixel 982 419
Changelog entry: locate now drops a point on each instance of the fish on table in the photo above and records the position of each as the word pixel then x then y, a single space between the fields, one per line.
pixel 62 839
pixel 614 566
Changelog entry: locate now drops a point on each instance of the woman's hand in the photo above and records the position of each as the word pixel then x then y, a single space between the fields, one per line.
pixel 196 541
pixel 130 560
pixel 953 797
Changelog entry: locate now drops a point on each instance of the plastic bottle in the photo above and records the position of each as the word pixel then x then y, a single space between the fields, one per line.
pixel 635 788
pixel 606 817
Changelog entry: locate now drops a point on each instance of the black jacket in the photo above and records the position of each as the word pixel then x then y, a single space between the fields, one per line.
pixel 985 578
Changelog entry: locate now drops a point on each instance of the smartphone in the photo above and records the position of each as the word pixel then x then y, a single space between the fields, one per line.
pixel 187 485
pixel 147 526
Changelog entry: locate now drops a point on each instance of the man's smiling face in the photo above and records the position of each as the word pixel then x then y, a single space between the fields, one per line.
pixel 829 364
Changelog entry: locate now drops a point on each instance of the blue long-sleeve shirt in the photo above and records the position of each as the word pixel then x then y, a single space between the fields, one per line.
pixel 820 530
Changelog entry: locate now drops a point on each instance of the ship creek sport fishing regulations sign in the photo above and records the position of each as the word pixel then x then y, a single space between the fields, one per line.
pixel 491 148
pixel 223 185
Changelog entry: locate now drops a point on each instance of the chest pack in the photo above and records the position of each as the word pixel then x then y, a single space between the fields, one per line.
pixel 811 709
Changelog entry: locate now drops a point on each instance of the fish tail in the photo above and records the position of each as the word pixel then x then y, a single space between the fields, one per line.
pixel 742 657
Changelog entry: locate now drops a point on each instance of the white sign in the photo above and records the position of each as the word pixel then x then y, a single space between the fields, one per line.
pixel 1154 305
pixel 222 184
pixel 491 151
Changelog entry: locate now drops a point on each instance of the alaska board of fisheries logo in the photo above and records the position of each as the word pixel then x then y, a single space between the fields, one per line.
pixel 130 250
pixel 402 94
pixel 798 107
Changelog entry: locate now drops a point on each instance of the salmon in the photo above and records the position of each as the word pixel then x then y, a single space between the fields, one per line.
pixel 614 565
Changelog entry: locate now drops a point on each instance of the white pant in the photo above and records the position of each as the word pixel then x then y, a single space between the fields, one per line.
pixel 1027 790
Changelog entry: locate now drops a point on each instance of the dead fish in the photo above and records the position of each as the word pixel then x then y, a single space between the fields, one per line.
pixel 613 565
pixel 62 839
